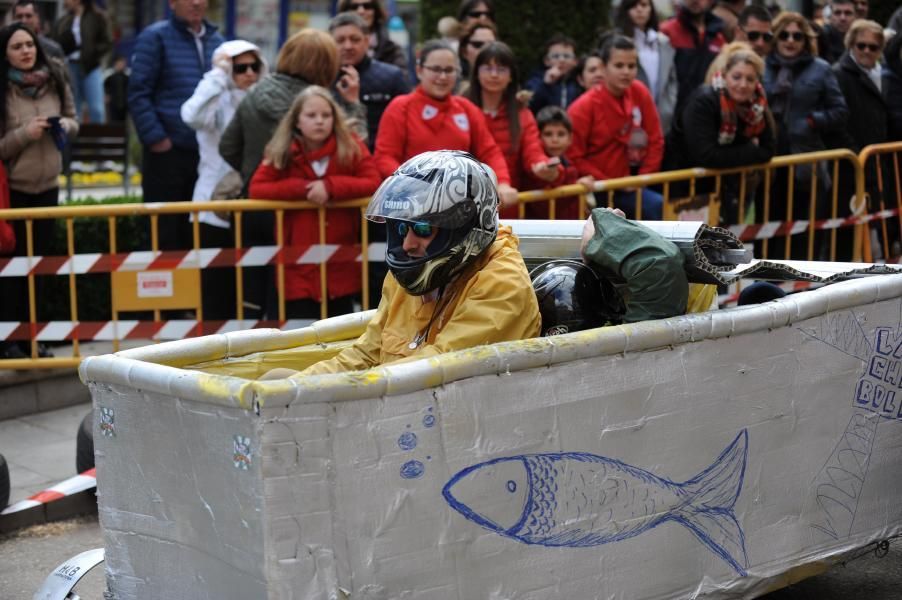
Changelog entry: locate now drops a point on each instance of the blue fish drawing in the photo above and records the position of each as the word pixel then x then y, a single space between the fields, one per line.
pixel 578 500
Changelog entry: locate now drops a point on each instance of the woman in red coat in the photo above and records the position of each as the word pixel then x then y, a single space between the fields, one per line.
pixel 314 156
pixel 616 129
pixel 431 118
pixel 493 88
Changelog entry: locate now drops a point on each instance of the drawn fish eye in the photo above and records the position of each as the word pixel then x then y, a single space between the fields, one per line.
pixel 511 486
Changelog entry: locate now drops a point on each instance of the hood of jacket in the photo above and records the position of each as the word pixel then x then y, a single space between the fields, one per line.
pixel 274 93
pixel 231 49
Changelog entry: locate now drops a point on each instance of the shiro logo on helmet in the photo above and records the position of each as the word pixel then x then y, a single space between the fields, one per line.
pixel 396 204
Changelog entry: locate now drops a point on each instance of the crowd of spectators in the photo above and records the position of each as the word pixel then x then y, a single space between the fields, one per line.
pixel 721 86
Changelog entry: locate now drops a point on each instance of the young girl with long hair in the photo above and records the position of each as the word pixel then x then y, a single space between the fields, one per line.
pixel 493 87
pixel 314 156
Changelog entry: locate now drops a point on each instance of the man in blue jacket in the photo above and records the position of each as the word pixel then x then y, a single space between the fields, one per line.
pixel 170 58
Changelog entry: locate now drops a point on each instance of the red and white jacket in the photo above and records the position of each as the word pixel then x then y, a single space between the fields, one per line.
pixel 520 160
pixel 358 179
pixel 601 130
pixel 416 122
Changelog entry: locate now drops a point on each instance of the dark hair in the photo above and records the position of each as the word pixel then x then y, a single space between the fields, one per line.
pixel 56 75
pixel 553 115
pixel 624 23
pixel 754 11
pixel 558 38
pixel 581 65
pixel 615 42
pixel 343 19
pixel 468 33
pixel 832 2
pixel 467 5
pixel 433 46
pixel 500 54
pixel 379 18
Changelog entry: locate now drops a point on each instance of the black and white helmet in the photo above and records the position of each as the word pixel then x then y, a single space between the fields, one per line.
pixel 448 189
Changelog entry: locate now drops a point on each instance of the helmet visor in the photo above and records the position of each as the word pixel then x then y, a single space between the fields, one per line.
pixel 409 198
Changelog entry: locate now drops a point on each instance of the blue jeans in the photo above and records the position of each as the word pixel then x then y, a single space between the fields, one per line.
pixel 652 204
pixel 88 87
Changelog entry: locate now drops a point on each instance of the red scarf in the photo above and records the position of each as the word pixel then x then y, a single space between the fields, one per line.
pixel 751 115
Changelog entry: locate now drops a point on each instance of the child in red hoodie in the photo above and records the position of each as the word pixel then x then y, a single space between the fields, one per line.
pixel 556 133
pixel 314 156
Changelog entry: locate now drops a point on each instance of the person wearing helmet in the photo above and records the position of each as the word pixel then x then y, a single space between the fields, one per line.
pixel 457 280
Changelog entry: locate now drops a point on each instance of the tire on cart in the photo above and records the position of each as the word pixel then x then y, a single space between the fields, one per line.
pixel 4 483
pixel 84 444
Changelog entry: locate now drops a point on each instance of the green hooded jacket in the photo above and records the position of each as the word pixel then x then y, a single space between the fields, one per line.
pixel 645 268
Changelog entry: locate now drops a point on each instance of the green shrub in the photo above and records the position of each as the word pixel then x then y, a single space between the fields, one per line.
pixel 524 26
pixel 91 235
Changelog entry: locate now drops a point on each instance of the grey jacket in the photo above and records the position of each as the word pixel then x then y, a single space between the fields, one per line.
pixel 668 84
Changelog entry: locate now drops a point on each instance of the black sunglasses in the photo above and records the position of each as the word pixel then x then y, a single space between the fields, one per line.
pixel 476 44
pixel 754 36
pixel 475 14
pixel 241 68
pixel 364 6
pixel 872 47
pixel 797 36
pixel 419 229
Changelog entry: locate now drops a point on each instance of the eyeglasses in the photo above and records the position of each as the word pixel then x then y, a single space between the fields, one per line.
pixel 241 68
pixel 475 14
pixel 754 36
pixel 439 71
pixel 494 70
pixel 561 56
pixel 476 44
pixel 797 36
pixel 419 229
pixel 363 5
pixel 872 47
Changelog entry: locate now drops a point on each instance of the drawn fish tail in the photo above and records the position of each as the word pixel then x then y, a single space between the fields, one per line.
pixel 710 497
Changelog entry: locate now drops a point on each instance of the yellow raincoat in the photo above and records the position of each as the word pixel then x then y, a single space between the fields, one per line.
pixel 492 301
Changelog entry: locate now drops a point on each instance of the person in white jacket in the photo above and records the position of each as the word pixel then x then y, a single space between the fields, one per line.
pixel 237 66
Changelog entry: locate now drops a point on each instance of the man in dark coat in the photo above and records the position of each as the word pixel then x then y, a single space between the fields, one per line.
pixel 170 58
pixel 697 36
pixel 831 40
pixel 892 86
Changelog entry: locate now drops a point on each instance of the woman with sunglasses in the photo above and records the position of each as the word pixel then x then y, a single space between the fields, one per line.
pixel 473 40
pixel 808 106
pixel 860 77
pixel 638 20
pixel 376 18
pixel 237 65
pixel 493 87
pixel 432 118
pixel 475 11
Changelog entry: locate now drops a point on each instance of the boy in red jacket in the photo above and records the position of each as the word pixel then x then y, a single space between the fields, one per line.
pixel 556 133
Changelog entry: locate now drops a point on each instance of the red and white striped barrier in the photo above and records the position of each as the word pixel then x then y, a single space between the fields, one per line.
pixel 69 487
pixel 106 331
pixel 146 260
pixel 772 229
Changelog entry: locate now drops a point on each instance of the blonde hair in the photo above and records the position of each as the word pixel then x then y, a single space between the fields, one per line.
pixel 730 55
pixel 860 25
pixel 279 148
pixel 311 55
pixel 787 18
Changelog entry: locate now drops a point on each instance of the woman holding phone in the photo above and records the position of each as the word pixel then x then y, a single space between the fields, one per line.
pixel 36 118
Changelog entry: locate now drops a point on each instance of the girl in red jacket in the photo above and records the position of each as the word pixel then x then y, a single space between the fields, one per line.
pixel 431 118
pixel 493 88
pixel 314 156
pixel 616 129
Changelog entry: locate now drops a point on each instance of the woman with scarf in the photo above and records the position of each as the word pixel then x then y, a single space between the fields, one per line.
pixel 727 124
pixel 35 121
pixel 808 106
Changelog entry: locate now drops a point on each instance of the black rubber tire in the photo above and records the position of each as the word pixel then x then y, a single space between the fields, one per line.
pixel 4 483
pixel 84 444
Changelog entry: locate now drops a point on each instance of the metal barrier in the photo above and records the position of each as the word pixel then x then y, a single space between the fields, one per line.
pixel 881 178
pixel 692 180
